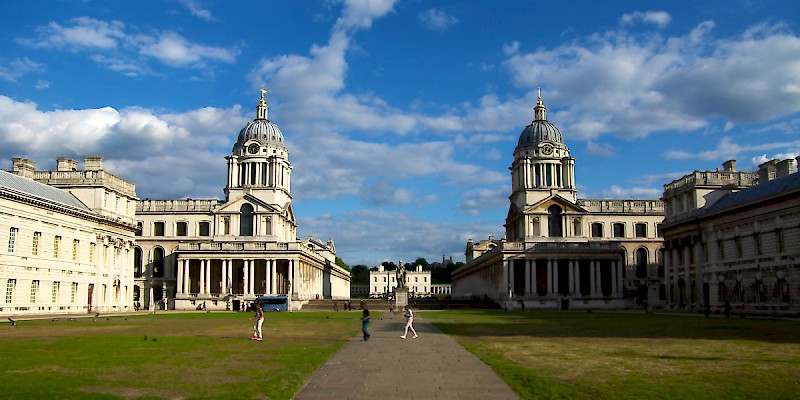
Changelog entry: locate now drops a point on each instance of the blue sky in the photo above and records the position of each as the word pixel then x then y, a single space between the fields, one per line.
pixel 401 117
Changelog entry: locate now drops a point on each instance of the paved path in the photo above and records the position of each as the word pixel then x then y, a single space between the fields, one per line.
pixel 387 367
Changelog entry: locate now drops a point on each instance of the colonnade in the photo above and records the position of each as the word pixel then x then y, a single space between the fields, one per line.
pixel 553 277
pixel 679 261
pixel 272 173
pixel 229 277
pixel 557 173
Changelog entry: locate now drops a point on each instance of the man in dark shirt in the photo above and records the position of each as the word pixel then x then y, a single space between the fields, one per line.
pixel 365 321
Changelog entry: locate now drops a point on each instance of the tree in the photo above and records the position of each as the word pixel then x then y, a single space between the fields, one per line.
pixel 360 274
pixel 389 266
pixel 341 263
pixel 421 261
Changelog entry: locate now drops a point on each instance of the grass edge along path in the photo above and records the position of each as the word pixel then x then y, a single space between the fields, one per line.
pixel 571 355
pixel 195 355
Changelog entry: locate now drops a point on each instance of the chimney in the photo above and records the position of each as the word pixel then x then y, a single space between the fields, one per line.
pixel 729 166
pixel 784 168
pixel 766 171
pixel 93 163
pixel 23 167
pixel 66 164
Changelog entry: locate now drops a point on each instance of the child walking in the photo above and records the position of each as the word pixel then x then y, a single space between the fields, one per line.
pixel 409 322
pixel 259 321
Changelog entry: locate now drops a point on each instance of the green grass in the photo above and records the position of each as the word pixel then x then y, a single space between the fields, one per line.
pixel 168 355
pixel 570 355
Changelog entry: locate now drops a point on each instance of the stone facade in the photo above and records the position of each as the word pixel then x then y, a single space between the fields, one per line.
pixel 222 254
pixel 560 251
pixel 68 239
pixel 382 283
pixel 734 237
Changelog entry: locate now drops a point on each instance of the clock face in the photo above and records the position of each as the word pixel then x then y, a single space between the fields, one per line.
pixel 547 149
pixel 253 148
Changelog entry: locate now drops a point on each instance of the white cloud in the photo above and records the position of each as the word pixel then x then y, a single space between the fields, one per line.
pixel 437 19
pixel 728 148
pixel 359 14
pixel 616 192
pixel 659 18
pixel 11 70
pixel 632 85
pixel 473 202
pixel 120 48
pixel 197 10
pixel 600 150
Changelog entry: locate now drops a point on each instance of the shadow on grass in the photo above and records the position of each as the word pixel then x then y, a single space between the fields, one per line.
pixel 613 325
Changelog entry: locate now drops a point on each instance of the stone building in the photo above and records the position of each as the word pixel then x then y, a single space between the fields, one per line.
pixel 222 254
pixel 382 283
pixel 734 236
pixel 68 239
pixel 560 251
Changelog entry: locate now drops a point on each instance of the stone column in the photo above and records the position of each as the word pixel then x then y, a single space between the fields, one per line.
pixel 527 277
pixel 698 272
pixel 614 278
pixel 667 270
pixel 533 277
pixel 202 276
pixel 273 272
pixel 676 263
pixel 503 289
pixel 245 277
pixel 571 277
pixel 593 281
pixel 555 276
pixel 179 278
pixel 510 266
pixel 687 254
pixel 620 279
pixel 550 276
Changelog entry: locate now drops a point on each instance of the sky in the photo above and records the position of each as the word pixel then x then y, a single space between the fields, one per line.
pixel 400 116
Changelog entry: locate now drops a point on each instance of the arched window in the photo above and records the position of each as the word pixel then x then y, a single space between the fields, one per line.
pixel 158 262
pixel 137 262
pixel 554 221
pixel 641 263
pixel 246 220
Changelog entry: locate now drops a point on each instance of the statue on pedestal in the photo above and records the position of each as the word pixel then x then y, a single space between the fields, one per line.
pixel 401 275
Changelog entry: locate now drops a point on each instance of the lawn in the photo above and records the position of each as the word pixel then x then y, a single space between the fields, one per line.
pixel 168 355
pixel 572 355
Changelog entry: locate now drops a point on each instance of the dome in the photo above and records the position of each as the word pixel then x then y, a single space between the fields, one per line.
pixel 260 129
pixel 540 130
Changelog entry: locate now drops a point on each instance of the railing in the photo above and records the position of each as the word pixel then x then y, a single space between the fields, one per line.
pixel 713 178
pixel 88 178
pixel 642 206
pixel 176 205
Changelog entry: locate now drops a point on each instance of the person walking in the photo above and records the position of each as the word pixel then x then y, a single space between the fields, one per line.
pixel 259 321
pixel 365 321
pixel 409 322
pixel 391 310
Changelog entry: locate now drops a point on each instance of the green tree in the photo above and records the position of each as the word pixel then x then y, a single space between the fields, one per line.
pixel 421 261
pixel 389 266
pixel 360 274
pixel 342 264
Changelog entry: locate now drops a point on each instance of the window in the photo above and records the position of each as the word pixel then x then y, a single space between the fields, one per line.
pixel 721 248
pixel 416 279
pixel 268 223
pixel 204 229
pixel 139 226
pixel 56 245
pixel 659 232
pixel 779 239
pixel 116 203
pixel 554 221
pixel 12 239
pixel 54 297
pixel 10 285
pixel 137 262
pixel 640 230
pixel 641 263
pixel 619 230
pixel 180 229
pixel 75 243
pixel 35 246
pixel 105 200
pixel 226 226
pixel 738 242
pixel 758 241
pixel 246 220
pixel 34 289
pixel 74 292
pixel 91 252
pixel 597 230
pixel 576 227
pixel 158 229
pixel 158 262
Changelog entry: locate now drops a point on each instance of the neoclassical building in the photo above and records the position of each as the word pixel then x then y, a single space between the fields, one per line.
pixel 221 254
pixel 382 283
pixel 734 236
pixel 67 239
pixel 560 251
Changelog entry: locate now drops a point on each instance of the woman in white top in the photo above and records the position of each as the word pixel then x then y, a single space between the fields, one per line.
pixel 409 322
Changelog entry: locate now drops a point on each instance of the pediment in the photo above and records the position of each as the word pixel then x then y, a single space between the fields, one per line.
pixel 542 206
pixel 234 205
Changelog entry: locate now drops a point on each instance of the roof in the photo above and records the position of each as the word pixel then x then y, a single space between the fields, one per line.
pixel 40 190
pixel 755 193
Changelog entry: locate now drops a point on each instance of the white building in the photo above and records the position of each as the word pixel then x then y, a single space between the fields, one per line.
pixel 67 239
pixel 560 251
pixel 382 283
pixel 221 254
pixel 734 236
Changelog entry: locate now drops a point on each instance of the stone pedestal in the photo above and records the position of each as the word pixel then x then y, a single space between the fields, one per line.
pixel 400 298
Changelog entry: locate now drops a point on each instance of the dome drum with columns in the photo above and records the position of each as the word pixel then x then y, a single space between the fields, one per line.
pixel 560 251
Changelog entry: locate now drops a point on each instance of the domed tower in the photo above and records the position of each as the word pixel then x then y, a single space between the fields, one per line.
pixel 542 166
pixel 260 164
